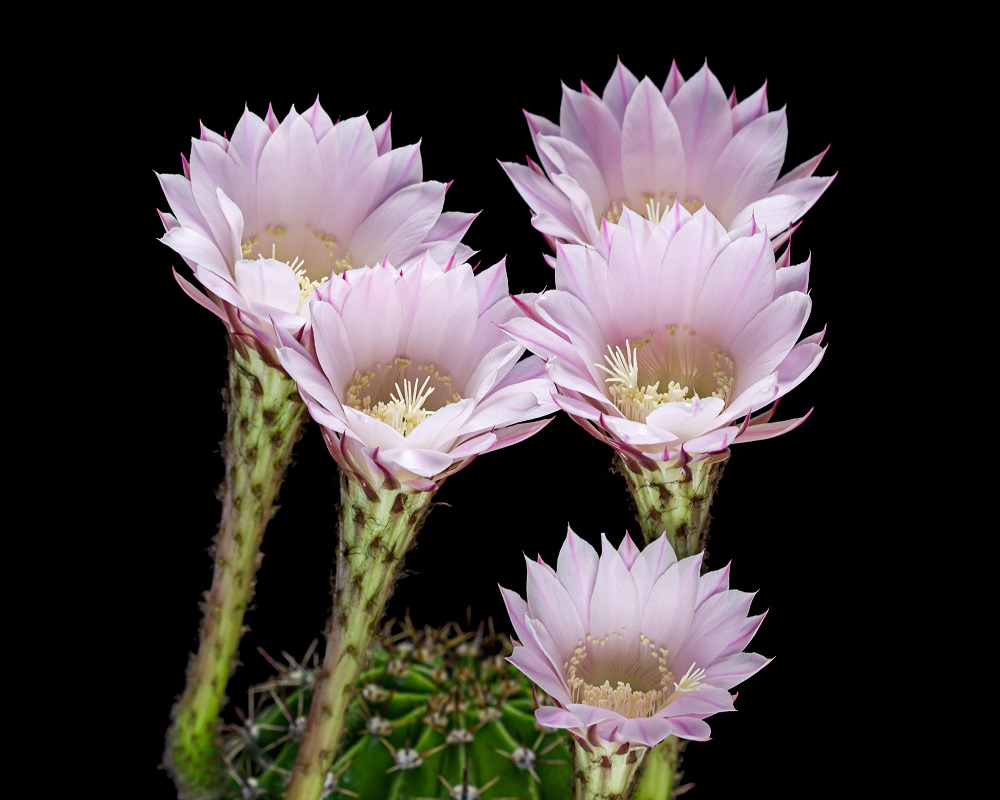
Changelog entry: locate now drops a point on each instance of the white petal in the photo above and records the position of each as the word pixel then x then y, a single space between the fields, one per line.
pixel 655 559
pixel 652 152
pixel 670 607
pixel 576 568
pixel 615 602
pixel 550 603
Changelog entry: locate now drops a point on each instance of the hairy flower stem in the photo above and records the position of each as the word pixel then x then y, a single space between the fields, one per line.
pixel 376 531
pixel 660 771
pixel 265 420
pixel 606 775
pixel 674 501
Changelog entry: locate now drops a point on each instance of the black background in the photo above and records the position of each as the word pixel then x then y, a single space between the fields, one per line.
pixel 789 514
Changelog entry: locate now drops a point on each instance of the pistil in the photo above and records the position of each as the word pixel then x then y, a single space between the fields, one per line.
pixel 680 365
pixel 406 407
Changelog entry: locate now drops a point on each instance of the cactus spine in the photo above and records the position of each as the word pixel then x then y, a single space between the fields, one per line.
pixel 438 713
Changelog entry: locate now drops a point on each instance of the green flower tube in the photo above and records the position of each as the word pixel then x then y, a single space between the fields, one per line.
pixel 377 528
pixel 265 420
pixel 403 404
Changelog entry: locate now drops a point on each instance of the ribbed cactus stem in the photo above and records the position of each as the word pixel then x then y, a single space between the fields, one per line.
pixel 438 712
pixel 606 773
pixel 675 501
pixel 376 530
pixel 265 420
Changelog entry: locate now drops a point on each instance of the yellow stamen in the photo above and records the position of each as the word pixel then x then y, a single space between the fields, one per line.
pixel 636 398
pixel 405 408
pixel 306 286
pixel 654 207
pixel 619 695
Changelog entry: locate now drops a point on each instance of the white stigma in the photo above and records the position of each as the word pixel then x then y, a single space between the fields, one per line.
pixel 404 406
pixel 653 211
pixel 411 398
pixel 654 208
pixel 624 367
pixel 298 268
pixel 405 409
pixel 312 247
pixel 633 400
pixel 676 356
pixel 691 680
pixel 306 286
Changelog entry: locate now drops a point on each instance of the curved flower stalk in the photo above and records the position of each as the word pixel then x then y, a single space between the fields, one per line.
pixel 642 147
pixel 261 219
pixel 410 378
pixel 671 342
pixel 633 648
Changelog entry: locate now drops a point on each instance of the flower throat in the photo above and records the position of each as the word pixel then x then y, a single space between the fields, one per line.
pixel 389 394
pixel 598 674
pixel 690 367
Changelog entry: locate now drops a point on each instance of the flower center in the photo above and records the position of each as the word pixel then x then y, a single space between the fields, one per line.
pixel 689 367
pixel 306 285
pixel 399 393
pixel 653 207
pixel 605 676
pixel 298 247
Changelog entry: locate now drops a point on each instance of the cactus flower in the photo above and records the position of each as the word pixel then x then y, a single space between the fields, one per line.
pixel 639 146
pixel 671 340
pixel 264 216
pixel 631 647
pixel 261 218
pixel 666 339
pixel 410 378
pixel 415 396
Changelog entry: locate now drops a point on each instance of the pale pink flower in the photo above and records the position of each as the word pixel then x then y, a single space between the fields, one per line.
pixel 265 215
pixel 631 646
pixel 409 375
pixel 642 147
pixel 666 339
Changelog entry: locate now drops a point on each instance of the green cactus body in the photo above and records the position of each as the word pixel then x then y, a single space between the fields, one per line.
pixel 438 713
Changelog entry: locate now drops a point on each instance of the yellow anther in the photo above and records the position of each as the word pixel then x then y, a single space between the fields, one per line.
pixel 405 405
pixel 690 370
